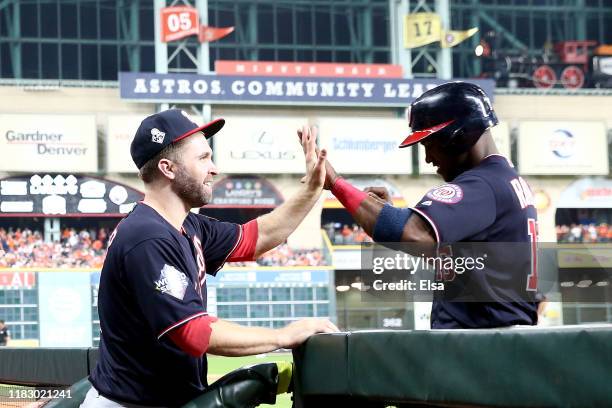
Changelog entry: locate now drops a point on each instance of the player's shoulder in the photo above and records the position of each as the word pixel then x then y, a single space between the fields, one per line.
pixel 205 222
pixel 200 218
pixel 491 170
pixel 494 165
pixel 140 225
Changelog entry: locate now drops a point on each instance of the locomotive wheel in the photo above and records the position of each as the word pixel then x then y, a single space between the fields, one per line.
pixel 544 77
pixel 572 77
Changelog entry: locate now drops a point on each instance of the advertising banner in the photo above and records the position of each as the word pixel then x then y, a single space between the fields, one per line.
pixel 48 143
pixel 17 280
pixel 281 276
pixel 65 309
pixel 365 146
pixel 563 148
pixel 260 145
pixel 245 192
pixel 587 193
pixel 120 131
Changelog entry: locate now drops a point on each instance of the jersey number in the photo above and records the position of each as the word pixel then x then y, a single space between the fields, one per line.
pixel 532 279
pixel 200 260
pixel 443 272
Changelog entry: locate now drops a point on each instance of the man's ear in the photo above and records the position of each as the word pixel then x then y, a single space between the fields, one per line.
pixel 167 168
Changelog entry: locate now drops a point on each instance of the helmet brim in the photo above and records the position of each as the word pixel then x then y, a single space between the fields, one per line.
pixel 418 135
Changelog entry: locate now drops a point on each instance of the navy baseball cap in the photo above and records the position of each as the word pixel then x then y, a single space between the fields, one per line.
pixel 164 128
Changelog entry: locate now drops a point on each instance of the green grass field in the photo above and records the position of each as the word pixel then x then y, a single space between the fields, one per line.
pixel 219 366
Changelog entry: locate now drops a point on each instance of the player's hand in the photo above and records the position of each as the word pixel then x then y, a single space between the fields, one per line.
pixel 315 159
pixel 297 332
pixel 379 193
pixel 330 172
pixel 330 175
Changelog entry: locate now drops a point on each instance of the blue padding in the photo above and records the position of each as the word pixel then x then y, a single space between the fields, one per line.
pixel 390 224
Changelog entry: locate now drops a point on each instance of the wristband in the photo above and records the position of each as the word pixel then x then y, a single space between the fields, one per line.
pixel 390 224
pixel 348 195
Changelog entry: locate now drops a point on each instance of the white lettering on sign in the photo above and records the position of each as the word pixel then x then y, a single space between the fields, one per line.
pixel 355 90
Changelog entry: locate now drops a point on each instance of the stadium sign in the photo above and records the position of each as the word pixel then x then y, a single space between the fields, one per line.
pixel 353 144
pixel 587 193
pixel 563 148
pixel 48 143
pixel 191 88
pixel 259 145
pixel 120 131
pixel 17 280
pixel 309 69
pixel 178 22
pixel 281 277
pixel 52 195
pixel 245 192
pixel 64 309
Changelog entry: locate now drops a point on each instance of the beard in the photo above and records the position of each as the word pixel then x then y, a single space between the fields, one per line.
pixel 190 190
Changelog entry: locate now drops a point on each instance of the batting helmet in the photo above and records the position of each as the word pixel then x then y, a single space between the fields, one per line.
pixel 456 112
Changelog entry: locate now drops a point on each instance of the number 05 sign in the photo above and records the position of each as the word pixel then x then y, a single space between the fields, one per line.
pixel 179 22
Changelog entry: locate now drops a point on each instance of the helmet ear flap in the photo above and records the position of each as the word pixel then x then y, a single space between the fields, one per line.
pixel 465 136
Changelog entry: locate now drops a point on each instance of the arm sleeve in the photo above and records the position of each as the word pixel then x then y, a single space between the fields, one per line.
pixel 166 295
pixel 245 250
pixel 194 336
pixel 459 210
pixel 219 240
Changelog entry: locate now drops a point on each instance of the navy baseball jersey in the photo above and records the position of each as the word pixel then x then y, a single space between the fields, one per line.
pixel 153 280
pixel 490 204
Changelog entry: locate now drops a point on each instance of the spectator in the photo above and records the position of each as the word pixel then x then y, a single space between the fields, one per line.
pixel 5 334
pixel 26 248
pixel 575 233
pixel 78 249
pixel 586 233
pixel 345 235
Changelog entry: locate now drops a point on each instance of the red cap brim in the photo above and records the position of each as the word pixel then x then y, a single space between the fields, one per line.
pixel 416 137
pixel 208 129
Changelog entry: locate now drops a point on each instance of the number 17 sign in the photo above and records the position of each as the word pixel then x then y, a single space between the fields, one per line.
pixel 421 29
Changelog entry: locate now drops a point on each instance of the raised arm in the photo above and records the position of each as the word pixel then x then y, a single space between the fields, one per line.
pixel 276 226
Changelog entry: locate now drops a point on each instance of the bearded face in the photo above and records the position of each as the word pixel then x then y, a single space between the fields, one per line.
pixel 195 191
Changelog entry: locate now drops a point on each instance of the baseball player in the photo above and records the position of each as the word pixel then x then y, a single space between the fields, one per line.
pixel 5 334
pixel 484 200
pixel 155 329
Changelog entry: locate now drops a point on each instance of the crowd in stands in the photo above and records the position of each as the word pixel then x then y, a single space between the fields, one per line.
pixel 86 248
pixel 25 248
pixel 343 234
pixel 584 233
pixel 283 255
